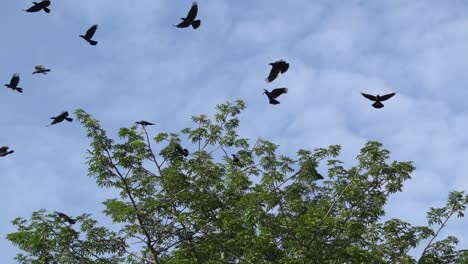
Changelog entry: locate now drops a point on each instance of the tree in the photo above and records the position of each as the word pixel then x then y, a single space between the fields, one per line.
pixel 209 209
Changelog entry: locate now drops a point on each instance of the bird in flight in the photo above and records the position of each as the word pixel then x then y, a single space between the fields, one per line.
pixel 14 83
pixel 89 35
pixel 144 123
pixel 276 68
pixel 4 151
pixel 40 69
pixel 378 99
pixel 182 151
pixel 274 94
pixel 39 6
pixel 65 217
pixel 60 118
pixel 190 19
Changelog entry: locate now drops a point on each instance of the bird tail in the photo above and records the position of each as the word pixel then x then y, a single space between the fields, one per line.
pixel 20 90
pixel 93 42
pixel 47 10
pixel 377 104
pixel 69 119
pixel 196 24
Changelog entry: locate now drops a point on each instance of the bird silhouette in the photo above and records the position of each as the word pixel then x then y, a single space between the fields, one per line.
pixel 274 94
pixel 235 159
pixel 39 6
pixel 182 151
pixel 378 99
pixel 4 151
pixel 190 19
pixel 60 118
pixel 276 68
pixel 40 69
pixel 14 83
pixel 144 123
pixel 65 217
pixel 89 35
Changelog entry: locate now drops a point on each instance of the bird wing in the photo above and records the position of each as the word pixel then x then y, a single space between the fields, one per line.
pixel 4 149
pixel 278 91
pixel 34 8
pixel 192 14
pixel 273 73
pixel 44 3
pixel 387 96
pixel 183 24
pixel 370 97
pixel 14 80
pixel 90 32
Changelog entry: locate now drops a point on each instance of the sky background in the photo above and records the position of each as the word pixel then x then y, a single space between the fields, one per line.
pixel 144 68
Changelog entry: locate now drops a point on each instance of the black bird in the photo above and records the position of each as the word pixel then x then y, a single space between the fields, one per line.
pixel 276 68
pixel 4 151
pixel 378 99
pixel 182 151
pixel 89 35
pixel 60 118
pixel 144 123
pixel 235 159
pixel 39 6
pixel 275 93
pixel 190 19
pixel 14 83
pixel 65 217
pixel 40 69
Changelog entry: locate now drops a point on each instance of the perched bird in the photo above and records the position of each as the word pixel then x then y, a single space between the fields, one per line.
pixel 276 68
pixel 60 118
pixel 40 69
pixel 65 217
pixel 275 93
pixel 378 99
pixel 4 151
pixel 14 83
pixel 235 159
pixel 144 123
pixel 190 19
pixel 89 35
pixel 39 6
pixel 182 151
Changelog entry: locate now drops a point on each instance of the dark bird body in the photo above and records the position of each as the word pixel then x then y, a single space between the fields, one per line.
pixel 235 159
pixel 190 19
pixel 182 151
pixel 274 94
pixel 4 151
pixel 65 217
pixel 60 118
pixel 40 69
pixel 144 123
pixel 378 99
pixel 276 68
pixel 39 6
pixel 89 35
pixel 14 83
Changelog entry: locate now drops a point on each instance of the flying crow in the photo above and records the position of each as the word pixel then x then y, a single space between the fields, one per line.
pixel 39 6
pixel 14 83
pixel 276 68
pixel 60 118
pixel 40 69
pixel 190 19
pixel 4 151
pixel 378 99
pixel 274 94
pixel 89 35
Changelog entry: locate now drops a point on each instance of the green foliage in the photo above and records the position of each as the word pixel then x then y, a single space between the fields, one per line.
pixel 205 208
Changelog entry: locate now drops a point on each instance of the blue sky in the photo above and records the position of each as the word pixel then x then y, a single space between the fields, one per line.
pixel 144 68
